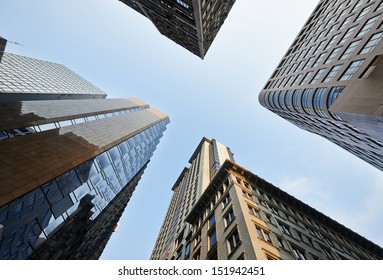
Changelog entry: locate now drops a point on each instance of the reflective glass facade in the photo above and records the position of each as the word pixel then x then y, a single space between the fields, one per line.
pixel 67 167
pixel 25 78
pixel 32 218
pixel 329 81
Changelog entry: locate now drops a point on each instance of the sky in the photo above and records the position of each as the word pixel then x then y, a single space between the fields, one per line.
pixel 122 53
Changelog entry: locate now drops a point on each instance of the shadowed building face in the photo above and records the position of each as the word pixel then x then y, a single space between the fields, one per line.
pixel 192 24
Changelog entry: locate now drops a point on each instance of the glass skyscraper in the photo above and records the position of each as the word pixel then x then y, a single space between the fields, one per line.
pixel 330 80
pixel 67 167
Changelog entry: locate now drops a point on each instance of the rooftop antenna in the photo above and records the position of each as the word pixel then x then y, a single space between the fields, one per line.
pixel 16 43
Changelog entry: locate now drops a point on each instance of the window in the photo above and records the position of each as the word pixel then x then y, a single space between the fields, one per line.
pixel 212 239
pixel 285 229
pixel 296 100
pixel 197 238
pixel 347 20
pixel 298 253
pixel 350 49
pixel 333 95
pixel 306 101
pixel 318 101
pixel 307 76
pixel 372 42
pixel 319 59
pixel 275 211
pixel 367 26
pixel 187 249
pixel 197 255
pixel 211 221
pixel 183 4
pixel 280 242
pixel 247 195
pixel 226 200
pixel 364 12
pixel 352 68
pixel 233 241
pixel 229 217
pixel 348 34
pixel 268 218
pixel 317 76
pixel 263 234
pixel 332 55
pixel 253 211
pixel 332 73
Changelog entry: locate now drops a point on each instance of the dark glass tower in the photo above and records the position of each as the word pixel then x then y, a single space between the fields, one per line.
pixel 67 167
pixel 330 81
pixel 192 24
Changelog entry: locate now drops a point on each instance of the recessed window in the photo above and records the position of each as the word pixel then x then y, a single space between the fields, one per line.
pixel 233 241
pixel 247 195
pixel 367 26
pixel 317 76
pixel 332 55
pixel 211 221
pixel 372 42
pixel 332 73
pixel 229 217
pixel 212 239
pixel 298 253
pixel 352 68
pixel 253 211
pixel 226 200
pixel 350 49
pixel 348 34
pixel 285 229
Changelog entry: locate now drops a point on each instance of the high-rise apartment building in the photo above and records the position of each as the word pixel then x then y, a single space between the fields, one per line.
pixel 330 81
pixel 192 24
pixel 241 216
pixel 67 167
pixel 191 184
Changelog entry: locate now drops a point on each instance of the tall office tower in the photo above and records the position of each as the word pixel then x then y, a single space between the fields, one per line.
pixel 193 24
pixel 330 81
pixel 241 216
pixel 189 187
pixel 25 78
pixel 3 42
pixel 69 167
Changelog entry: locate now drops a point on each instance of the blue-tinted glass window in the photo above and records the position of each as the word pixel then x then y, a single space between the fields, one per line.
pixel 332 96
pixel 318 102
pixel 306 101
pixel 297 100
pixel 288 100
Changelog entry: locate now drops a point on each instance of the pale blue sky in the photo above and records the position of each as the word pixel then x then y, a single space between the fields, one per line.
pixel 122 53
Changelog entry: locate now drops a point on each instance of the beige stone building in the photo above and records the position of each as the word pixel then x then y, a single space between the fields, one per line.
pixel 241 216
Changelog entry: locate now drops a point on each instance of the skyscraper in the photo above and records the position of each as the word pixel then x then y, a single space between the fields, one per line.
pixel 241 216
pixel 67 167
pixel 193 24
pixel 191 184
pixel 25 78
pixel 330 80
